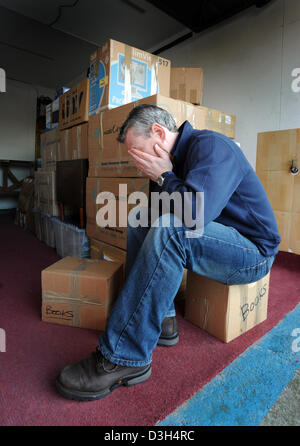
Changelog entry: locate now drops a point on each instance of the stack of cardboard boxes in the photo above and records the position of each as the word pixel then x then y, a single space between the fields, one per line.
pixel 121 77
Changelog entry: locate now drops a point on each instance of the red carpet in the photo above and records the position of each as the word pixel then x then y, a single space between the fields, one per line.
pixel 36 351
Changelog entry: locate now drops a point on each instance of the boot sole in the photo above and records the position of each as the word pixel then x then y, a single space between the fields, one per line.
pixel 168 342
pixel 127 381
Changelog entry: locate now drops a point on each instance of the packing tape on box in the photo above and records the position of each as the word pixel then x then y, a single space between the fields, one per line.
pixel 127 74
pixel 78 141
pixel 100 135
pixel 154 74
pixel 66 144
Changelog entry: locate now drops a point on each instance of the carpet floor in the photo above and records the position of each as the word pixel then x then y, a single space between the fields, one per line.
pixel 36 351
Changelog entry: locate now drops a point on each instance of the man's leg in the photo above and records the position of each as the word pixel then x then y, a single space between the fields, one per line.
pixel 221 253
pixel 125 348
pixel 135 239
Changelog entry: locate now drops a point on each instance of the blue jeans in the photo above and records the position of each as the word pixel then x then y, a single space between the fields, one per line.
pixel 156 258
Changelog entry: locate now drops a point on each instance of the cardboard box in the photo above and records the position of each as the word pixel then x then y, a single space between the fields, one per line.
pixel 73 105
pixel 80 292
pixel 116 235
pixel 109 158
pixel 52 115
pixel 225 311
pixel 45 192
pixel 275 152
pixel 187 84
pixel 104 251
pixel 74 143
pixel 120 74
pixel 26 196
pixel 50 149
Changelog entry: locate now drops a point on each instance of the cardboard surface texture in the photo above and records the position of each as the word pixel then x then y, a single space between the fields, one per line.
pixel 225 311
pixel 109 158
pixel 74 143
pixel 187 84
pixel 73 105
pixel 80 292
pixel 120 74
pixel 115 234
pixel 275 152
pixel 45 192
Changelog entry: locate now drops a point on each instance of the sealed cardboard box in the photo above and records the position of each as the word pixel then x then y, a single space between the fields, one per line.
pixel 80 292
pixel 187 84
pixel 50 149
pixel 65 144
pixel 277 152
pixel 74 143
pixel 104 251
pixel 109 158
pixel 45 192
pixel 115 193
pixel 73 105
pixel 225 311
pixel 120 74
pixel 50 137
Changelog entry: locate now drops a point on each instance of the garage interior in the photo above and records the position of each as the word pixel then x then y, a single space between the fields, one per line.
pixel 241 78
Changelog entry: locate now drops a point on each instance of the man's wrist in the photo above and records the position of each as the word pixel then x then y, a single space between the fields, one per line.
pixel 161 179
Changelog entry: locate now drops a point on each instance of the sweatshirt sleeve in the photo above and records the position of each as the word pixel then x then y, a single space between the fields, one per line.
pixel 212 168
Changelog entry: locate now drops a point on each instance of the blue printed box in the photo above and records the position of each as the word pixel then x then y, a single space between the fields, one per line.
pixel 120 74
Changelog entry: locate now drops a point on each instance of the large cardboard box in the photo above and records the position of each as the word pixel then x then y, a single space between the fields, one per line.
pixel 275 152
pixel 109 158
pixel 187 84
pixel 73 105
pixel 120 74
pixel 45 192
pixel 225 311
pixel 80 292
pixel 113 235
pixel 74 143
pixel 50 149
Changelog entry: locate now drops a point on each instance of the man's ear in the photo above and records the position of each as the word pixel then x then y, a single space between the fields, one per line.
pixel 158 130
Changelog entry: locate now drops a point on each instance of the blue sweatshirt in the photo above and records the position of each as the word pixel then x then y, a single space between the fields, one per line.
pixel 209 162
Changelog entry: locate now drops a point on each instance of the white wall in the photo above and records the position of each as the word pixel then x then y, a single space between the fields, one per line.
pixel 17 126
pixel 247 64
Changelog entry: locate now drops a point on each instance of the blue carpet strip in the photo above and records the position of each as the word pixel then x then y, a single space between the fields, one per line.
pixel 243 393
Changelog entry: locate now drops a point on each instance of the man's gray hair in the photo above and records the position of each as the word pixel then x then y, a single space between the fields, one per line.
pixel 142 117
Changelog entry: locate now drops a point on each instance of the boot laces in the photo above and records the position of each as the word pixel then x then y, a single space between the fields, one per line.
pixel 104 363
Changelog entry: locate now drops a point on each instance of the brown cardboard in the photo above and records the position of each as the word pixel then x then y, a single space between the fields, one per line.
pixel 50 149
pixel 110 253
pixel 275 152
pixel 115 236
pixel 109 158
pixel 73 105
pixel 65 144
pixel 225 311
pixel 50 154
pixel 120 74
pixel 186 84
pixel 80 292
pixel 45 192
pixel 74 143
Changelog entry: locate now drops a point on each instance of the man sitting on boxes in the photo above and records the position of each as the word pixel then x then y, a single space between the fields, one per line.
pixel 237 245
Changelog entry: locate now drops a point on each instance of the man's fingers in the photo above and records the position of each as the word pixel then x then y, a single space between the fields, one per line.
pixel 141 155
pixel 160 152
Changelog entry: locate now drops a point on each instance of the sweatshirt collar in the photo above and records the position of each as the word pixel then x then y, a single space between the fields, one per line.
pixel 178 151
